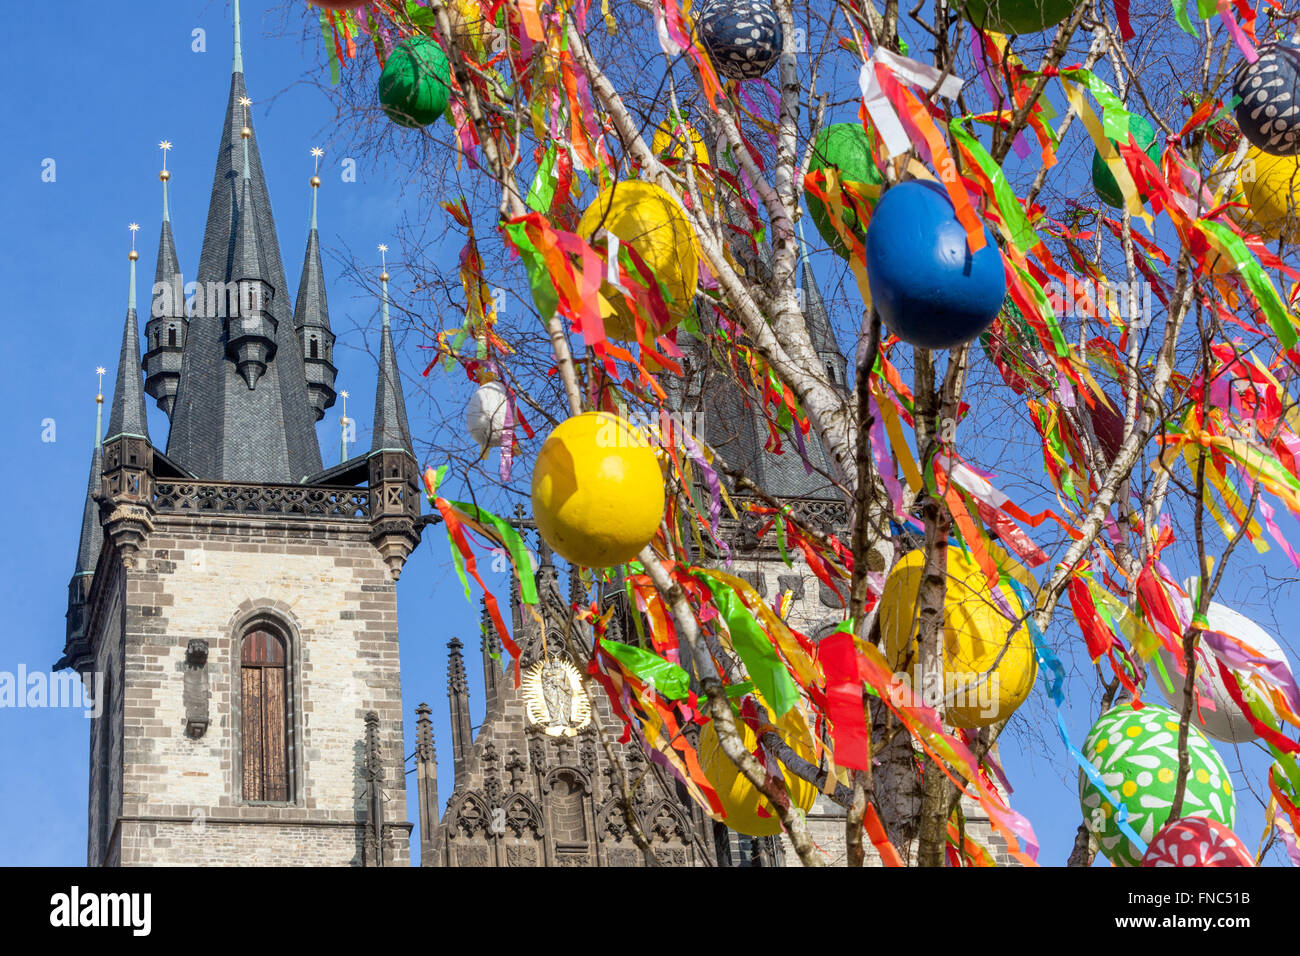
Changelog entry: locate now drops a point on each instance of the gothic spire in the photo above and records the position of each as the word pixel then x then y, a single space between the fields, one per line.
pixel 92 533
pixel 221 428
pixel 164 330
pixel 491 646
pixel 128 416
pixel 814 310
pixel 391 431
pixel 311 317
pixel 462 734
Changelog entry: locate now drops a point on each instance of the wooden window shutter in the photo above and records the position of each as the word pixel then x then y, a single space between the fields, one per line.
pixel 264 724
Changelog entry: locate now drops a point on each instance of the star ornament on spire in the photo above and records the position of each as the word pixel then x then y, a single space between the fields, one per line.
pixel 134 227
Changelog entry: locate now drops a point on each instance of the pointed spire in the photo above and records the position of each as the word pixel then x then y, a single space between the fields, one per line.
pixel 391 431
pixel 92 533
pixel 819 320
pixel 164 330
pixel 426 788
pixel 491 647
pixel 128 416
pixel 237 66
pixel 462 734
pixel 311 315
pixel 221 429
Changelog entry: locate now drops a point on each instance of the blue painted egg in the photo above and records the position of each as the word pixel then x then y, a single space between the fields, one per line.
pixel 742 37
pixel 1269 88
pixel 928 288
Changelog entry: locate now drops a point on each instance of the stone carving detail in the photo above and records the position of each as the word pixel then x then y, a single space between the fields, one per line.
pixel 522 855
pixel 517 767
pixel 792 583
pixel 469 855
pixel 284 501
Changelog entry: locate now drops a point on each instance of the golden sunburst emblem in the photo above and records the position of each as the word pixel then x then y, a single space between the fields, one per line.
pixel 554 700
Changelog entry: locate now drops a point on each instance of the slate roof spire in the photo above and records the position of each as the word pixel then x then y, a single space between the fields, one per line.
pixel 819 320
pixel 391 431
pixel 164 330
pixel 311 317
pixel 128 416
pixel 221 428
pixel 92 533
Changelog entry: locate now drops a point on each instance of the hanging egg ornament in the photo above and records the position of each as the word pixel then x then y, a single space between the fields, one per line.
pixel 670 143
pixel 1197 841
pixel 987 673
pixel 928 287
pixel 1018 16
pixel 485 415
pixel 1271 186
pixel 846 148
pixel 598 492
pixel 1269 92
pixel 647 218
pixel 1136 754
pixel 1225 722
pixel 416 82
pixel 742 37
pixel 1103 180
pixel 740 799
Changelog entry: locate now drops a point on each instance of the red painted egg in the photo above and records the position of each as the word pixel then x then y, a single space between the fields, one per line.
pixel 1197 841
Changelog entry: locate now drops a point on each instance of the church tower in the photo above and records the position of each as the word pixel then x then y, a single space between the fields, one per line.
pixel 235 600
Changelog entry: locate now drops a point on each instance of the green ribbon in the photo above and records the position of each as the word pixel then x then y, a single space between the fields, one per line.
pixel 668 679
pixel 1261 286
pixel 539 276
pixel 1022 234
pixel 542 191
pixel 761 662
pixel 514 542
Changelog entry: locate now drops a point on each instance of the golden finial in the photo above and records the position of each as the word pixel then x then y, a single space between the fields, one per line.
pixel 134 227
pixel 383 258
pixel 165 145
pixel 101 372
pixel 247 131
pixel 316 153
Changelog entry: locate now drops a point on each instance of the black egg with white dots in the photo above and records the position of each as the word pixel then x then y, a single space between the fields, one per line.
pixel 742 37
pixel 1269 89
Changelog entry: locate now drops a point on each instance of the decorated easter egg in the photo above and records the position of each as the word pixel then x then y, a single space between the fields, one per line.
pixel 846 148
pixel 740 799
pixel 416 82
pixel 485 415
pixel 1103 180
pixel 1226 721
pixel 647 218
pixel 928 287
pixel 743 37
pixel 597 491
pixel 1197 841
pixel 988 669
pixel 1018 16
pixel 1271 187
pixel 1136 754
pixel 1269 89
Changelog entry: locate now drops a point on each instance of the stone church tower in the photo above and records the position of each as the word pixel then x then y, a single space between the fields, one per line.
pixel 236 597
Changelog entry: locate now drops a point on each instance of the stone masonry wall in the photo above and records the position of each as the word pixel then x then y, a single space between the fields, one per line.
pixel 208 578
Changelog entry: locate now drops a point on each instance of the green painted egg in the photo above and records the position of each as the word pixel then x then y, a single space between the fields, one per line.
pixel 1136 753
pixel 416 82
pixel 846 147
pixel 1018 16
pixel 1103 180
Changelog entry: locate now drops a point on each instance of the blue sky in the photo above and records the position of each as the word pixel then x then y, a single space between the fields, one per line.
pixel 117 83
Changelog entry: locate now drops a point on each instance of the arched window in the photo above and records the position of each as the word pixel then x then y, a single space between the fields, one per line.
pixel 264 716
pixel 313 347
pixel 171 336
